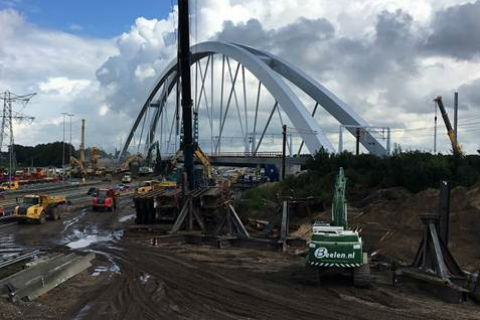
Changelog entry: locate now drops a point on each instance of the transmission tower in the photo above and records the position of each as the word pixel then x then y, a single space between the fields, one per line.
pixel 8 116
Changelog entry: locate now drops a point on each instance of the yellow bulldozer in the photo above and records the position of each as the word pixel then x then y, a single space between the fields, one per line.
pixel 38 208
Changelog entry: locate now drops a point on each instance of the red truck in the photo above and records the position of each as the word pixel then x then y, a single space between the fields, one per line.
pixel 104 199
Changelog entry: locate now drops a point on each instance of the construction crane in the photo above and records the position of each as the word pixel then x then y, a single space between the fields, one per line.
pixel 457 150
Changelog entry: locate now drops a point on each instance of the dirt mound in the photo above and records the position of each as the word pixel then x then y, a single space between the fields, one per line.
pixel 391 226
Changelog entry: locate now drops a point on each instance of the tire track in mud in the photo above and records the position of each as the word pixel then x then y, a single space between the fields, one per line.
pixel 178 289
pixel 145 282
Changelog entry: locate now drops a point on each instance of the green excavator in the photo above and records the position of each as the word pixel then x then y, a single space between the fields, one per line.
pixel 335 246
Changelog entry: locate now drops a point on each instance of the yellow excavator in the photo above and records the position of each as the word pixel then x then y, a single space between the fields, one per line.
pixel 457 149
pixel 205 161
pixel 78 167
pixel 125 166
pixel 200 155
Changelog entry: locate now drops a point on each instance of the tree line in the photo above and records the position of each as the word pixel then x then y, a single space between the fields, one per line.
pixel 43 155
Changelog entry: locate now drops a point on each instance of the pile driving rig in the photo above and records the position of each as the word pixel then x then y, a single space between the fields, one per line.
pixel 334 245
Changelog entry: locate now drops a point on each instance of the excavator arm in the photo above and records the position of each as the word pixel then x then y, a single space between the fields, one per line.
pixel 77 163
pixel 200 155
pixel 451 133
pixel 203 158
pixel 126 165
pixel 339 203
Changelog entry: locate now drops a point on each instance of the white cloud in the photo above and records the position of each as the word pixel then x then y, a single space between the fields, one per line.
pixel 143 72
pixel 63 85
pixel 59 66
pixel 391 84
pixel 103 110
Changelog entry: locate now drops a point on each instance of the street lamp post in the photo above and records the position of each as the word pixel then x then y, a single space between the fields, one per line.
pixel 63 143
pixel 65 114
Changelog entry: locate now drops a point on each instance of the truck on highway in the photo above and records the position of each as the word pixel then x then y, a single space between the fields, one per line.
pixel 38 208
pixel 104 199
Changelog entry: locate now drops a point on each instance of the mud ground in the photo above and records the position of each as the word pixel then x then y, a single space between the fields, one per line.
pixel 131 279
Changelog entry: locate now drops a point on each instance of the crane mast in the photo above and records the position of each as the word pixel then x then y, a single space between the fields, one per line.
pixel 457 150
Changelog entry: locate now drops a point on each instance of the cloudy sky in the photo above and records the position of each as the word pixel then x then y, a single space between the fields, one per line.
pixel 386 59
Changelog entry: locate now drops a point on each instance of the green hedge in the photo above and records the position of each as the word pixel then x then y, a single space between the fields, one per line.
pixel 414 171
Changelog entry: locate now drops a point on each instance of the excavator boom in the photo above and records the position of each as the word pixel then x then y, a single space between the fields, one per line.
pixel 203 158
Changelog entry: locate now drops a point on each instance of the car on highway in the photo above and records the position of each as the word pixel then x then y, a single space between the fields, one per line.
pixel 122 187
pixel 91 191
pixel 127 178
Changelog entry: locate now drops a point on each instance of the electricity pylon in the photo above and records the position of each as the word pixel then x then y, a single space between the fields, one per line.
pixel 8 116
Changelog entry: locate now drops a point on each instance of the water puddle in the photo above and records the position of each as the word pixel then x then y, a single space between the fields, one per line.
pixel 127 217
pixel 83 312
pixel 85 239
pixel 144 278
pixel 68 223
pixel 100 269
pixel 113 268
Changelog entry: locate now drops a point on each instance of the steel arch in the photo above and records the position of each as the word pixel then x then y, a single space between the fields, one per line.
pixel 269 70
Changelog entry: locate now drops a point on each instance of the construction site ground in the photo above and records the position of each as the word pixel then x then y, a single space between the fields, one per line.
pixel 133 279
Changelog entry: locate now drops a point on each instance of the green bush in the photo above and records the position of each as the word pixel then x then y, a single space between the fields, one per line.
pixel 414 171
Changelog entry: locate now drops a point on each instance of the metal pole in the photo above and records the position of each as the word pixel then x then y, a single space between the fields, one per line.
pixel 435 131
pixel 11 137
pixel 82 144
pixel 388 141
pixel 455 116
pixel 290 144
pixel 70 144
pixel 63 142
pixel 70 139
pixel 184 63
pixel 340 139
pixel 357 144
pixel 284 226
pixel 284 149
pixel 444 212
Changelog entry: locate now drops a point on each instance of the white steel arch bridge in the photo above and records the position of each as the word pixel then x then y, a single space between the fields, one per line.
pixel 225 73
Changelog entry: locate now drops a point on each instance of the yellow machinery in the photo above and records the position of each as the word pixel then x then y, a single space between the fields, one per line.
pixel 200 155
pixel 39 208
pixel 94 158
pixel 457 150
pixel 79 167
pixel 148 186
pixel 125 166
pixel 10 185
pixel 203 158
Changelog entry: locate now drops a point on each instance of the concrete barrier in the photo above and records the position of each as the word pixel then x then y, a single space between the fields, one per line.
pixel 32 282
